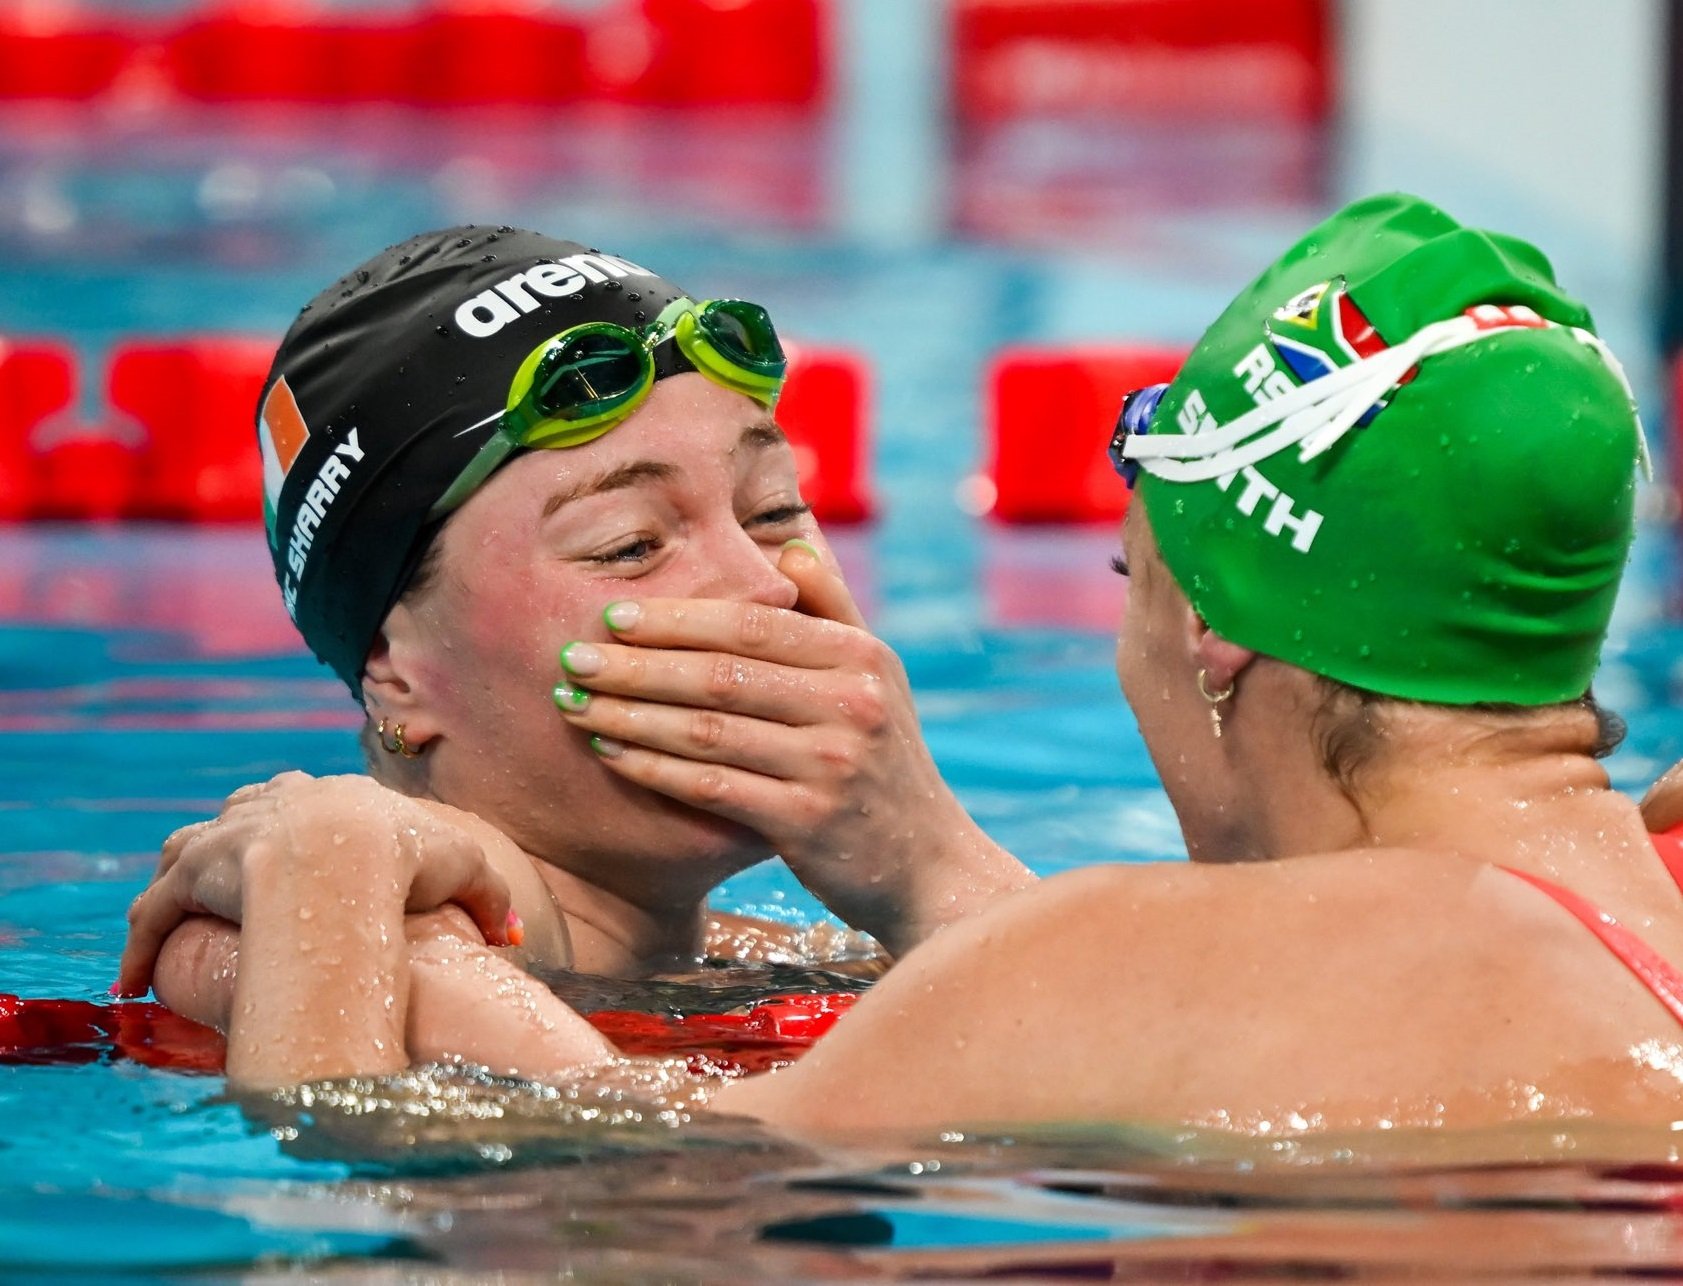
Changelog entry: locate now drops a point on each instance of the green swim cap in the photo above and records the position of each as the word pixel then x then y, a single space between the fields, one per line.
pixel 1403 460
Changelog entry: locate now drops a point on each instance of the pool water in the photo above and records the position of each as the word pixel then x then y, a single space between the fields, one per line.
pixel 147 671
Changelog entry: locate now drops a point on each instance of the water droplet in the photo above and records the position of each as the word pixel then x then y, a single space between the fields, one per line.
pixel 464 243
pixel 612 285
pixel 405 258
pixel 362 275
pixel 444 331
pixel 632 296
pixel 488 259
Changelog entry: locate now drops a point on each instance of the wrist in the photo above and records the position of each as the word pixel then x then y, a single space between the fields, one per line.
pixel 966 873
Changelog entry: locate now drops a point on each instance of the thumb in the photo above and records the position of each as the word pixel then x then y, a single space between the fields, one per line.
pixel 823 593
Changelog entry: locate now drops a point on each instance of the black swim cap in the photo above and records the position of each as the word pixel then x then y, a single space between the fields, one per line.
pixel 386 387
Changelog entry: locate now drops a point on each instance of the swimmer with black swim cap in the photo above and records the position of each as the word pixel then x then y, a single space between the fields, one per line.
pixel 473 445
pixel 400 387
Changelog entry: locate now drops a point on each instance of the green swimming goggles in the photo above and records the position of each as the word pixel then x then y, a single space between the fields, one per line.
pixel 576 385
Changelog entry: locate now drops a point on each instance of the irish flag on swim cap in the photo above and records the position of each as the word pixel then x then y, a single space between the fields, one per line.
pixel 1402 459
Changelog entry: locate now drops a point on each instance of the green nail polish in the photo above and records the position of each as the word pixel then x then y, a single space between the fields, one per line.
pixel 570 698
pixel 580 659
pixel 621 616
pixel 798 543
pixel 607 747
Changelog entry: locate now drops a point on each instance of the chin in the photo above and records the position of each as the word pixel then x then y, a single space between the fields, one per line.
pixel 703 837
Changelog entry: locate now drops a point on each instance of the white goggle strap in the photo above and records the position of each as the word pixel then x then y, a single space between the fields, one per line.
pixel 1613 364
pixel 1316 415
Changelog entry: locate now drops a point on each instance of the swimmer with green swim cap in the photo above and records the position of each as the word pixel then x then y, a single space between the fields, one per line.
pixel 1410 420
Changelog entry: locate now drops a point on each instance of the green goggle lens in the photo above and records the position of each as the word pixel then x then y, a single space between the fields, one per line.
pixel 743 333
pixel 577 385
pixel 586 371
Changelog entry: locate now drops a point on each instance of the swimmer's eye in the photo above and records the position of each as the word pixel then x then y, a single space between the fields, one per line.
pixel 633 552
pixel 780 515
pixel 1118 565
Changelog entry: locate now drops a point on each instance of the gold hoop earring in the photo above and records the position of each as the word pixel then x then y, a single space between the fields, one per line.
pixel 397 745
pixel 1214 698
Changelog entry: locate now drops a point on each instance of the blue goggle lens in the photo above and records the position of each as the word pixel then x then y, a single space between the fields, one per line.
pixel 1138 408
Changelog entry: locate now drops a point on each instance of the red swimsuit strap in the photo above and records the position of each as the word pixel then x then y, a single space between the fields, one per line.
pixel 1653 970
pixel 1669 846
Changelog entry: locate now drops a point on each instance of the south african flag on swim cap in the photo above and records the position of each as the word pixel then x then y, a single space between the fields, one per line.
pixel 1402 459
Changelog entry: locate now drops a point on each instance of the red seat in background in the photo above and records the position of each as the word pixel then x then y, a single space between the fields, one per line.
pixel 196 398
pixel 1051 412
pixel 37 383
pixel 825 410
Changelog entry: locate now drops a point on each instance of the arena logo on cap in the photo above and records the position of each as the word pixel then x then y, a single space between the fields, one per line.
pixel 490 310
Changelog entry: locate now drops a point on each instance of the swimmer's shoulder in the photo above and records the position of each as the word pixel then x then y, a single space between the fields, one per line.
pixel 1175 991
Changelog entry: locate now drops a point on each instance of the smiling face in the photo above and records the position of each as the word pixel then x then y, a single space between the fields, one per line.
pixel 693 496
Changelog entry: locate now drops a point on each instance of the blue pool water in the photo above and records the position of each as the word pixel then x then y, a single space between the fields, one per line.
pixel 147 671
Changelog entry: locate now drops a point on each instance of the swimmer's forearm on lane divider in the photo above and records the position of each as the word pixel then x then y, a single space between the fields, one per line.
pixel 323 983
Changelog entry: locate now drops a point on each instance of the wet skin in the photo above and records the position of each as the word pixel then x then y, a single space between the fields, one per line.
pixel 1390 975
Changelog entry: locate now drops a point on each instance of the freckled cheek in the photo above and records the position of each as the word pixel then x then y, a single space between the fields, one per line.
pixel 521 624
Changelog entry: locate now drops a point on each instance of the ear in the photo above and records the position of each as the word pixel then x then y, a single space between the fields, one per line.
pixel 1220 659
pixel 393 681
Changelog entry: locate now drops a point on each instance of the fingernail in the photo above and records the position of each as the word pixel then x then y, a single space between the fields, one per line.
pixel 516 929
pixel 581 659
pixel 622 616
pixel 116 989
pixel 570 699
pixel 798 543
pixel 607 747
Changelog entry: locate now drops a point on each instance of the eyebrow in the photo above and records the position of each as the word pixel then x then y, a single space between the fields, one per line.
pixel 759 435
pixel 633 474
pixel 756 437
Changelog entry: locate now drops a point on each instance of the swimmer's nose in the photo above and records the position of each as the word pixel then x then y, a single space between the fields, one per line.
pixel 741 568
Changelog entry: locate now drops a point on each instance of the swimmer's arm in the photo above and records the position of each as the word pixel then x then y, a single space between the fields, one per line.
pixel 196 969
pixel 323 984
pixel 343 994
pixel 470 1003
pixel 466 1000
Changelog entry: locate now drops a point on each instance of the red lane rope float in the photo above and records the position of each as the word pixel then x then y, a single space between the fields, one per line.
pixel 63 1033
